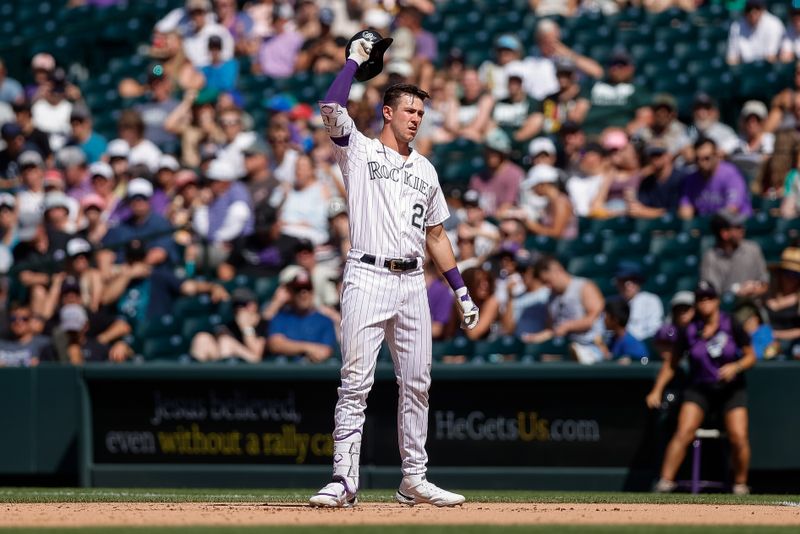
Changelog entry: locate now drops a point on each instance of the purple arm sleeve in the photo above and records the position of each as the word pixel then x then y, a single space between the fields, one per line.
pixel 453 278
pixel 339 90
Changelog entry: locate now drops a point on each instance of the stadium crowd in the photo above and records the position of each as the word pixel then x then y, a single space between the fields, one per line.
pixel 584 205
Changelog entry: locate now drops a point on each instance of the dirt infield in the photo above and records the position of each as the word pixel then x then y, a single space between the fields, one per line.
pixel 230 514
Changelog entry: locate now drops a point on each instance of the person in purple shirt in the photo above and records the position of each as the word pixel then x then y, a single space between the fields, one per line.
pixel 277 55
pixel 440 299
pixel 719 351
pixel 715 185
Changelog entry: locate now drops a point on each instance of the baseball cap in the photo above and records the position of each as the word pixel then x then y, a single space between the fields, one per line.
pixel 139 187
pixel 73 318
pixel 400 67
pixel 168 162
pixel 620 57
pixel 93 200
pixel 70 285
pixel 185 177
pixel 629 270
pixel 664 100
pixel 541 174
pixel 682 298
pixel 614 140
pixel 377 19
pixel 569 127
pixel 301 111
pixel 705 288
pixel 8 200
pixel 595 147
pixel 510 42
pixel 53 178
pixel 301 280
pixel 704 100
pixel 541 145
pixel 56 199
pixel 304 245
pixel 656 148
pixel 257 146
pixel 242 295
pixel 281 102
pixel 118 148
pixel 70 156
pixel 283 11
pixel 498 141
pixel 80 112
pixel 754 107
pixel 198 5
pixel 30 158
pixel 564 64
pixel 77 246
pixel 43 61
pixel 10 130
pixel 215 42
pixel 221 170
pixel 471 198
pixel 101 168
pixel 326 16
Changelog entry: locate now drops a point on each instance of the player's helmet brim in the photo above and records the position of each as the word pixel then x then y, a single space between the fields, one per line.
pixel 374 65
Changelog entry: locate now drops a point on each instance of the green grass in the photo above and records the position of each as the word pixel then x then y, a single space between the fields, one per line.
pixel 408 529
pixel 30 495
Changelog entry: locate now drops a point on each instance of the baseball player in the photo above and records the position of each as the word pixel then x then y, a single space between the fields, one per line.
pixel 396 209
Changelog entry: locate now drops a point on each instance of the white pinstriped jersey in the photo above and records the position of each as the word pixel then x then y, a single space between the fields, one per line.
pixel 390 200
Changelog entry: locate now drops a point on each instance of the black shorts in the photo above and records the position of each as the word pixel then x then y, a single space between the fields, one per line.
pixel 714 399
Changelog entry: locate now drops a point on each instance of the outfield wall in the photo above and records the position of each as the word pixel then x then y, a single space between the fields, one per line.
pixel 539 426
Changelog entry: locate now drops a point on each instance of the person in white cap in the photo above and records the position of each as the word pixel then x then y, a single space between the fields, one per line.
pixel 143 224
pixel 755 140
pixel 142 151
pixel 556 219
pixel 30 200
pixel 78 264
pixel 236 140
pixel 60 215
pixel 201 27
pixel 78 346
pixel 226 216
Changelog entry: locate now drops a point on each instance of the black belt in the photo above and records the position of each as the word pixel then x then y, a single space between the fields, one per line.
pixel 396 266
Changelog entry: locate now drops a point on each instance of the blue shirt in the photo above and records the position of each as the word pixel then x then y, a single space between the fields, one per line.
pixel 761 339
pixel 145 231
pixel 222 77
pixel 628 346
pixel 11 90
pixel 94 147
pixel 150 297
pixel 313 327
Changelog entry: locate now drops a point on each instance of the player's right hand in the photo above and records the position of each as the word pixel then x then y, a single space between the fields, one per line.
pixel 360 51
pixel 470 311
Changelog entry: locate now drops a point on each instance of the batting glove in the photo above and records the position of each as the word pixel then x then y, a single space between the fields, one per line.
pixel 359 51
pixel 471 312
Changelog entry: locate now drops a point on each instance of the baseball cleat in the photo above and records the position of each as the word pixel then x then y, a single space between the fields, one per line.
pixel 416 490
pixel 665 486
pixel 334 495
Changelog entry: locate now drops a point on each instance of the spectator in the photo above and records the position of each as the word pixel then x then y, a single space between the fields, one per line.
pixel 164 184
pixel 617 101
pixel 83 135
pixel 298 329
pixel 101 176
pixel 681 314
pixel 71 160
pixel 790 205
pixel 322 53
pixel 14 145
pixel 556 219
pixel 665 127
pixel 754 322
pixel 78 348
pixel 574 311
pixel 421 44
pixel 11 90
pixel 469 117
pixel 23 346
pixel 143 225
pixel 42 67
pixel 243 337
pixel 60 214
pixel 494 74
pixel 498 185
pixel 573 143
pixel 35 138
pixel 566 104
pixel 782 304
pixel 525 313
pixel 284 157
pixel 475 227
pixel 583 187
pixel 304 209
pixel 481 287
pixel 623 347
pixel 707 124
pixel 757 35
pixel 518 115
pixel 195 123
pixel 130 127
pixel 239 24
pixel 95 227
pixel 790 45
pixel 719 352
pixel 734 264
pixel 754 139
pixel 278 54
pixel 660 191
pixel 548 8
pixel 8 222
pixel 620 183
pixel 157 106
pixel 51 113
pixel 646 310
pixel 541 78
pixel 228 215
pixel 78 264
pixel 201 27
pixel 30 200
pixel 235 140
pixel 715 185
pixel 33 258
pixel 324 276
pixel 220 75
pixel 440 299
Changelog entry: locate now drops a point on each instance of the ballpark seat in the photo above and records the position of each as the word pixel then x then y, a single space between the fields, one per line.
pixel 164 348
pixel 613 226
pixel 666 223
pixel 541 243
pixel 193 306
pixel 585 244
pixel 788 227
pixel 660 284
pixel 164 325
pixel 554 349
pixel 626 245
pixel 593 266
pixel 680 244
pixel 759 224
pixel 772 245
pixel 679 266
pixel 194 325
pixel 458 346
pixel 504 348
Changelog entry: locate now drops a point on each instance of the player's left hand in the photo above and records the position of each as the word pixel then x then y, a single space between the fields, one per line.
pixel 470 311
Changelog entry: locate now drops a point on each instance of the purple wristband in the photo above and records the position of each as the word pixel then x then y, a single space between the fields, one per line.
pixel 339 91
pixel 453 278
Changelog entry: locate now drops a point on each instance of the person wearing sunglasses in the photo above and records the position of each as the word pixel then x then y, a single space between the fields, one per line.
pixel 22 346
